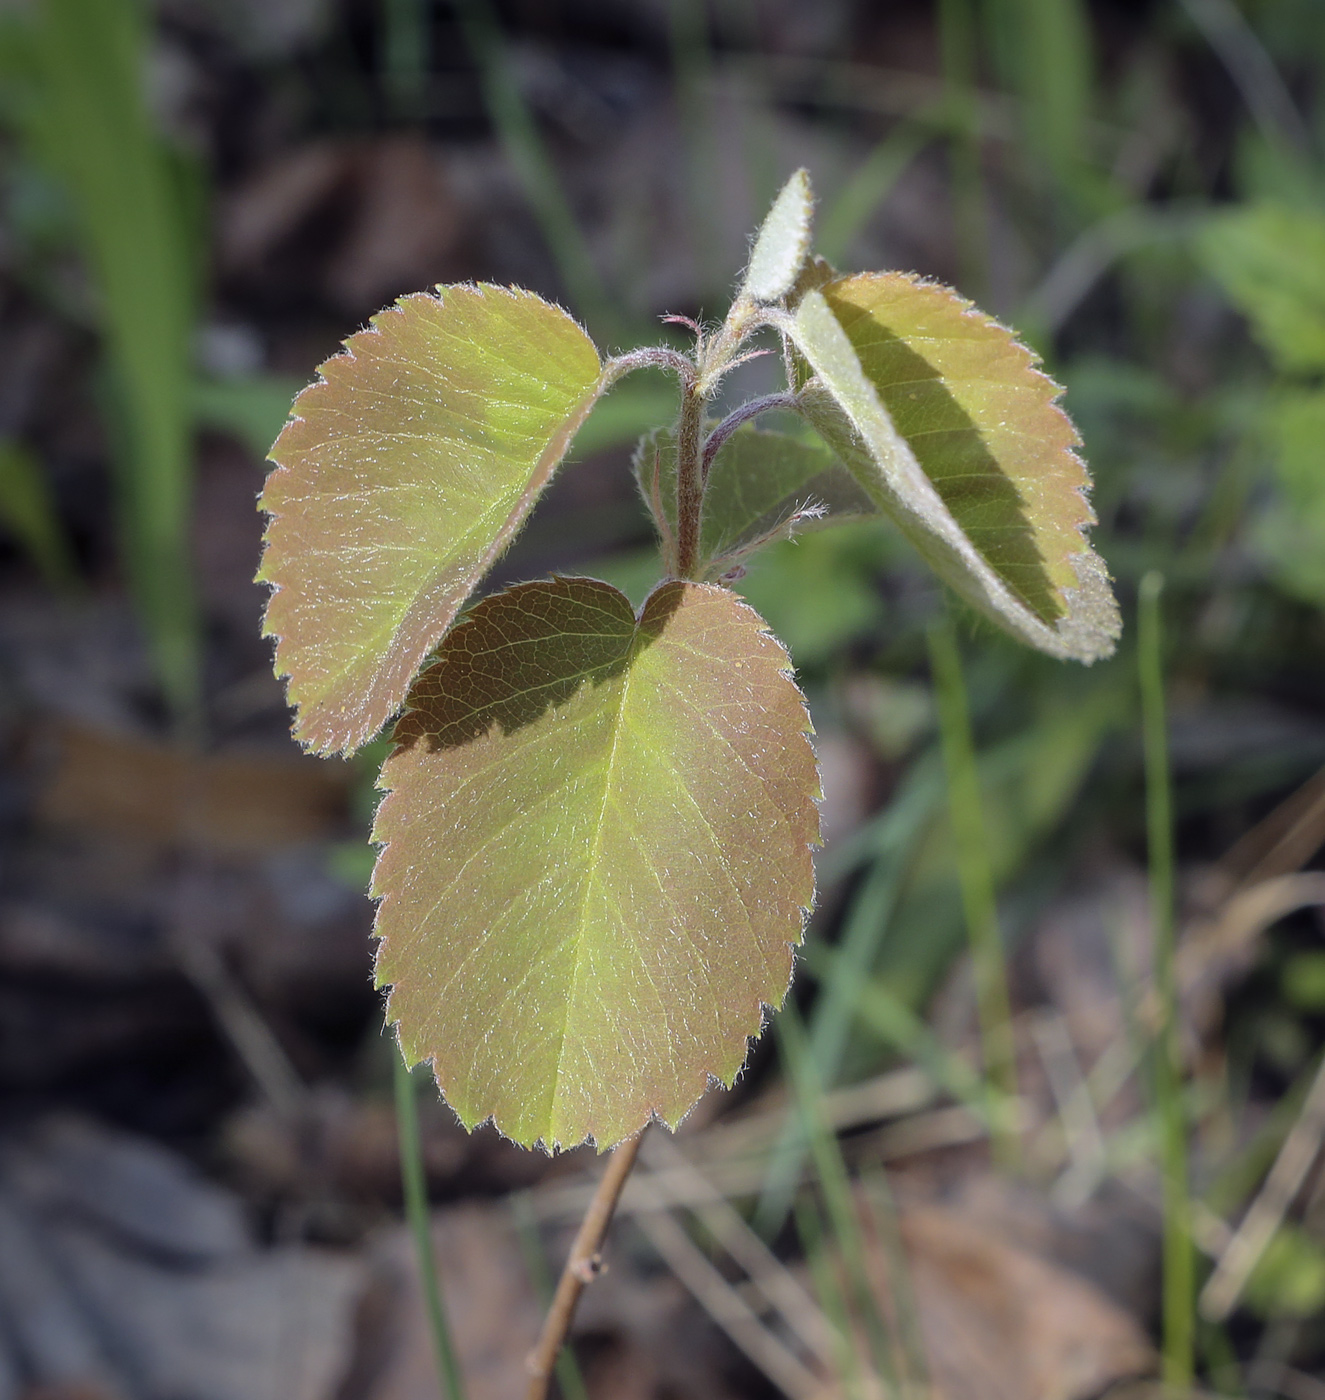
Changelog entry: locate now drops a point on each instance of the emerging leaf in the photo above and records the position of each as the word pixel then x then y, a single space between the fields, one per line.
pixel 1270 260
pixel 782 244
pixel 760 486
pixel 945 421
pixel 402 474
pixel 597 855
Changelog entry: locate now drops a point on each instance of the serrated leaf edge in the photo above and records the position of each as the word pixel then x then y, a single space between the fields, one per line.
pixel 1091 623
pixel 755 1025
pixel 314 732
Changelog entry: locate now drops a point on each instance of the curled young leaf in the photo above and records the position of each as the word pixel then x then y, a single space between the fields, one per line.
pixel 597 855
pixel 944 419
pixel 403 473
pixel 782 243
pixel 761 486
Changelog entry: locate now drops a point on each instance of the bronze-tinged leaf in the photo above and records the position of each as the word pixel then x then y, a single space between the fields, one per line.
pixel 946 421
pixel 403 473
pixel 597 855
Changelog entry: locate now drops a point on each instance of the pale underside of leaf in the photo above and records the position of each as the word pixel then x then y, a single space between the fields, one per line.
pixel 403 473
pixel 597 855
pixel 946 422
pixel 782 243
pixel 760 485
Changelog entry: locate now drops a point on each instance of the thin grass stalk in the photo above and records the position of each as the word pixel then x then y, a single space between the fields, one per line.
pixel 865 927
pixel 416 1212
pixel 826 1042
pixel 405 55
pixel 976 879
pixel 524 148
pixel 1171 1129
pixel 957 42
pixel 569 1376
pixel 835 1185
pixel 906 1308
pixel 846 216
pixel 687 32
pixel 828 1290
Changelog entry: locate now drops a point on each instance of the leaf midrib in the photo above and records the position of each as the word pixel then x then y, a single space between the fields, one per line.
pixel 595 855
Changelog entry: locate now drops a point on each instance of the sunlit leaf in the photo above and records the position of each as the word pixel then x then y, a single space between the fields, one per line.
pixel 761 486
pixel 597 855
pixel 948 425
pixel 402 474
pixel 1270 259
pixel 782 243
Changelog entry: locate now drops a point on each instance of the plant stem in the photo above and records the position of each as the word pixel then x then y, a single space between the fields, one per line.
pixel 689 481
pixel 583 1265
pixel 1179 1275
pixel 416 1211
pixel 744 414
pixel 977 886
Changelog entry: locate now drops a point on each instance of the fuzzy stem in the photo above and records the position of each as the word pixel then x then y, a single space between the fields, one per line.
pixel 744 414
pixel 689 482
pixel 581 1267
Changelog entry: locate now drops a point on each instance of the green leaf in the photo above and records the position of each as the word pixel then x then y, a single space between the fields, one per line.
pixel 403 473
pixel 948 425
pixel 597 837
pixel 762 486
pixel 782 243
pixel 1270 259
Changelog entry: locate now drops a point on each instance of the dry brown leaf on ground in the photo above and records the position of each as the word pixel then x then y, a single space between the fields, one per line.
pixel 139 790
pixel 999 1323
pixel 490 1304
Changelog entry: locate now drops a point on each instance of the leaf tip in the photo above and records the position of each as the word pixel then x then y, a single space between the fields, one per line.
pixel 783 242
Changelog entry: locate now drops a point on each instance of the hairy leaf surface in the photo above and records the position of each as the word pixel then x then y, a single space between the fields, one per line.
pixel 758 484
pixel 946 422
pixel 402 474
pixel 782 243
pixel 597 855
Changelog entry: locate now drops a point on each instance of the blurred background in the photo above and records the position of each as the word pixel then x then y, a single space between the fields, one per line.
pixel 199 1183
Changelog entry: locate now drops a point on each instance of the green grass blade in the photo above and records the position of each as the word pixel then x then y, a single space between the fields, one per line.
pixel 1171 1128
pixel 828 1291
pixel 957 42
pixel 405 54
pixel 872 182
pixel 834 1183
pixel 416 1212
pixel 90 125
pixel 524 147
pixel 569 1376
pixel 831 1019
pixel 28 513
pixel 977 886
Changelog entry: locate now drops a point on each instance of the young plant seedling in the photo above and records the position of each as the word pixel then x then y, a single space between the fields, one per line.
pixel 598 826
